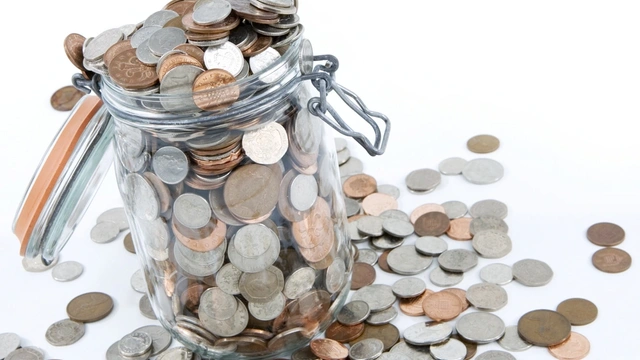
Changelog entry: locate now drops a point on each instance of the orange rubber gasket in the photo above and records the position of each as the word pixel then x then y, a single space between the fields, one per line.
pixel 51 169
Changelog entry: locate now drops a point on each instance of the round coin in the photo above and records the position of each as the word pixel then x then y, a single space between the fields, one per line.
pixel 483 171
pixel 409 287
pixel 452 166
pixel 26 353
pixel 342 333
pixel 192 211
pixel 130 73
pixel 359 186
pixel 499 274
pixel 480 327
pixel 425 208
pixel 405 260
pixel 377 203
pixel 485 296
pixel 495 355
pixel 544 327
pixel 64 332
pixel 427 333
pixel 492 244
pixel 367 256
pixel 487 223
pixel 442 306
pixel 611 260
pixel 329 349
pixel 460 229
pixel 387 333
pixel 90 307
pixel 64 99
pixel 432 224
pixel 578 311
pixel 458 260
pixel 451 349
pixel 9 342
pixel 104 232
pixel 512 341
pixel 531 272
pixel 353 313
pixel 251 191
pixel 443 278
pixel 115 215
pixel 366 349
pixel 455 209
pixel 160 338
pixel 483 144
pixel 605 234
pixel 492 208
pixel 300 282
pixel 577 347
pixel 268 310
pixel 413 306
pixel 363 275
pixel 378 296
pixel 170 164
pixel 135 344
pixel 67 271
pixel 214 90
pixel 431 245
pixel 266 145
pixel 382 317
pixel 303 192
pixel 397 228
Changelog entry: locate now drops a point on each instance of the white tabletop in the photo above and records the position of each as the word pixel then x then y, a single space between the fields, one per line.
pixel 557 82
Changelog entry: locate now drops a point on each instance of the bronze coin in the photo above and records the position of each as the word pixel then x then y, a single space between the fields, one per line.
pixel 73 48
pixel 363 275
pixel 128 243
pixel 258 47
pixel 611 260
pixel 377 203
pixel 578 311
pixel 459 229
pixel 173 61
pixel 64 99
pixel 423 209
pixel 387 333
pixel 116 49
pixel 544 327
pixel 329 349
pixel 343 333
pixel 577 347
pixel 130 73
pixel 231 22
pixel 181 7
pixel 193 36
pixel 461 294
pixel 442 306
pixel 605 234
pixel 413 306
pixel 359 186
pixel 483 144
pixel 472 348
pixel 90 307
pixel 213 90
pixel 382 262
pixel 193 51
pixel 432 224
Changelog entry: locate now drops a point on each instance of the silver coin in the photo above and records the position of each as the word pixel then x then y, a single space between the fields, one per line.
pixel 529 272
pixel 370 225
pixel 303 192
pixel 100 44
pixel 218 304
pixel 135 344
pixel 452 166
pixel 443 278
pixel 262 286
pixel 427 333
pixel 138 282
pixel 451 349
pixel 367 349
pixel 495 355
pixel 209 43
pixel 487 223
pixel 260 4
pixel 411 351
pixel 431 245
pixel 268 30
pixel 390 356
pixel 367 256
pixel 170 164
pixel 113 353
pixel 211 12
pixel 115 215
pixel 226 57
pixel 485 296
pixel 458 260
pixel 395 214
pixel 192 211
pixel 64 332
pixel 206 264
pixel 230 327
pixel 156 234
pixel 408 287
pixel 142 198
pixel 8 342
pixel 36 264
pixel 128 30
pixel 405 260
pixel 159 18
pixel 352 207
pixel 483 171
pixel 499 274
pixel 165 40
pixel 177 353
pixel 193 337
pixel 512 341
pixel 260 62
pixel 144 305
pixel 144 54
pixel 240 36
pixel 160 338
pixel 455 209
pixel 386 242
pixel 252 241
pixel 354 234
pixel 341 144
pixel 26 353
pixel 390 190
pixel 397 228
pixel 299 283
pixel 266 145
pixel 67 271
pixel 382 317
pixel 179 81
pixel 480 327
pixel 352 167
pixel 244 73
pixel 280 3
pixel 269 310
pixel 135 164
pixel 378 296
pixel 493 208
pixel 492 244
pixel 335 276
pixel 353 313
pixel 142 35
pixel 423 180
pixel 104 232
pixel 220 209
pixel 343 156
pixel 228 279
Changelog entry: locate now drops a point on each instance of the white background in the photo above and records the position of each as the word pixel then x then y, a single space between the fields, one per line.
pixel 556 81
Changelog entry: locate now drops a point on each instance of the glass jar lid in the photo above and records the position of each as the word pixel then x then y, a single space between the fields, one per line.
pixel 66 180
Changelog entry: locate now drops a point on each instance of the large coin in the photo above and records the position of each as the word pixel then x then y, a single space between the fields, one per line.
pixel 64 99
pixel 90 307
pixel 606 234
pixel 251 192
pixel 544 327
pixel 64 332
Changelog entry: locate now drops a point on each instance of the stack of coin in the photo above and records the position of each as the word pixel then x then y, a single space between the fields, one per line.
pixel 141 344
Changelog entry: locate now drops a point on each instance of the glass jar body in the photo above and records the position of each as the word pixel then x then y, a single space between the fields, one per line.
pixel 240 225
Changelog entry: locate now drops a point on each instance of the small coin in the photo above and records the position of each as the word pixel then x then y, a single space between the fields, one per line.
pixel 460 229
pixel 215 90
pixel 405 260
pixel 450 349
pixel 67 271
pixel 160 338
pixel 104 232
pixel 577 347
pixel 138 282
pixel 483 144
pixel 544 327
pixel 299 283
pixel 351 167
pixel 73 44
pixel 409 287
pixel 611 260
pixel 266 145
pixel 426 208
pixel 343 333
pixel 135 344
pixel 192 211
pixel 128 243
pixel 303 192
pixel 461 294
pixel 452 166
pixel 431 245
pixel 377 203
pixel 458 260
pixel 410 351
pixel 443 278
pixel 328 349
pixel 370 225
pixel 115 215
pixel 442 306
pixel 499 274
pixel 382 262
pixel 432 224
pixel 366 349
pixel 335 276
pixel 64 332
pixel 492 244
pixel 413 306
pixel 65 98
pixel 144 305
pixel 605 234
pixel 353 313
pixel 352 207
pixel 530 272
pixel 378 296
pixel 251 191
pixel 268 310
pixel 387 333
pixel 90 307
pixel 260 287
pixel 359 186
pixel 578 311
pixel 512 341
pixel 495 355
pixel 390 190
pixel 427 333
pixel 423 180
pixel 363 275
pixel 455 209
pixel 490 207
pixel 397 228
pixel 487 223
pixel 483 171
pixel 382 317
pixel 26 353
pixel 367 256
pixel 8 342
pixel 485 296
pixel 129 72
pixel 170 164
pixel 480 327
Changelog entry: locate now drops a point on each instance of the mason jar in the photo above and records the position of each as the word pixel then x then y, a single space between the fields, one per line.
pixel 233 197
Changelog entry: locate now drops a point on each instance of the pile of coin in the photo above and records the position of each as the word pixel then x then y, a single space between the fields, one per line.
pixel 143 343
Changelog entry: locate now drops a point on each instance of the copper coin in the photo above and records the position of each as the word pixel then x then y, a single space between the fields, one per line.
pixel 193 51
pixel 190 297
pixel 231 22
pixel 472 348
pixel 423 209
pixel 483 144
pixel 193 36
pixel 432 224
pixel 359 186
pixel 73 48
pixel 377 203
pixel 413 306
pixel 387 333
pixel 442 306
pixel 382 262
pixel 64 99
pixel 258 47
pixel 459 229
pixel 605 234
pixel 316 229
pixel 128 243
pixel 363 275
pixel 213 90
pixel 209 241
pixel 577 347
pixel 461 294
pixel 578 311
pixel 181 7
pixel 90 307
pixel 343 333
pixel 174 61
pixel 329 349
pixel 544 327
pixel 611 260
pixel 355 217
pixel 116 49
pixel 130 73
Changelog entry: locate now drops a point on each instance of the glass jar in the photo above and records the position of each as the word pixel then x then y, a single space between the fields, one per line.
pixel 233 196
